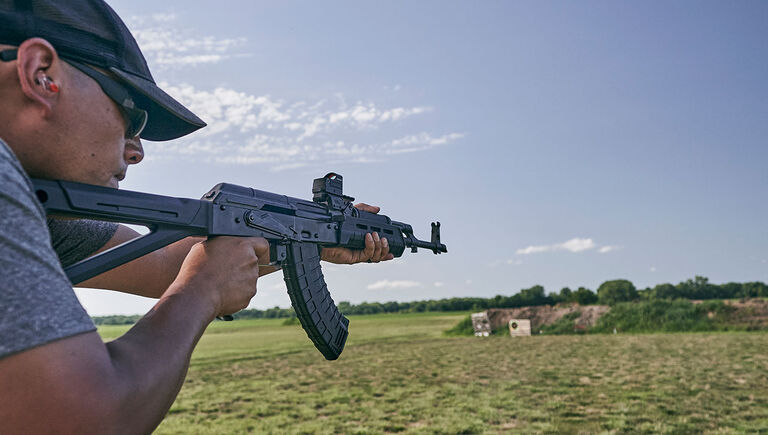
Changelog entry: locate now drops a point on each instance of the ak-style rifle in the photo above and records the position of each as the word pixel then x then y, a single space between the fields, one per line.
pixel 296 230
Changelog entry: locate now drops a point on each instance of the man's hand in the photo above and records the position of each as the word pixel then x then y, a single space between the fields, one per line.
pixel 375 250
pixel 224 270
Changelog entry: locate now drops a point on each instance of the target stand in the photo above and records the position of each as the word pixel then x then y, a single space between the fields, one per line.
pixel 519 327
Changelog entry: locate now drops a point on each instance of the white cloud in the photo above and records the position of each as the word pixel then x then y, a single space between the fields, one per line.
pixel 393 285
pixel 573 245
pixel 577 245
pixel 420 142
pixel 164 18
pixel 608 248
pixel 653 269
pixel 246 129
pixel 439 284
pixel 534 249
pixel 167 45
pixel 468 282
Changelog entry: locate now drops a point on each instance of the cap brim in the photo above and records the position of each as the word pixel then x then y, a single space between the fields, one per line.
pixel 167 118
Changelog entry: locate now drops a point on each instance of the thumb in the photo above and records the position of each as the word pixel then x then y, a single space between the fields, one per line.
pixel 369 208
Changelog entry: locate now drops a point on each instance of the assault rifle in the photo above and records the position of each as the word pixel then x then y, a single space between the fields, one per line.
pixel 296 230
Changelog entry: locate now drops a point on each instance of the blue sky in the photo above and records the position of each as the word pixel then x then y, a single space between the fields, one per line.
pixel 559 143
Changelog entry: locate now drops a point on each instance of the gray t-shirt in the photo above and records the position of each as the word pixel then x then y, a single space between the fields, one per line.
pixel 75 240
pixel 37 303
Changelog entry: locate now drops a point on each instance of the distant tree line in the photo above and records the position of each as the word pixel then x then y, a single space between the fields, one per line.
pixel 269 313
pixel 116 320
pixel 609 293
pixel 621 290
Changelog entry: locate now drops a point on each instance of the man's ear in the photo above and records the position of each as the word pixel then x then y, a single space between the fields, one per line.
pixel 39 68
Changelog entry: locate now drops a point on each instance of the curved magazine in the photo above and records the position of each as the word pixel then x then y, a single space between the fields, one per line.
pixel 319 316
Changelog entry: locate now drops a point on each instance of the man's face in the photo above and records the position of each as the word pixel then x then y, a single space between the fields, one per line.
pixel 73 132
pixel 92 135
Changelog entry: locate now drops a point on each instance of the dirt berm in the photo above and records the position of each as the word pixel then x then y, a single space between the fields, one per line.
pixel 750 313
pixel 547 315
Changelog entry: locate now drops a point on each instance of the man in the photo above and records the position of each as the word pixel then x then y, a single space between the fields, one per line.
pixel 75 97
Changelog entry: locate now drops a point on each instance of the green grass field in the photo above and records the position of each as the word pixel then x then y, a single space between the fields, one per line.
pixel 398 373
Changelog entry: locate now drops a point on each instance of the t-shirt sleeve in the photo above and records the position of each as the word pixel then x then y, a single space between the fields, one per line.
pixel 76 239
pixel 37 303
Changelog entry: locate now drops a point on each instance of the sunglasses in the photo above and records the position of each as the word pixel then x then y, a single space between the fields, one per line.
pixel 135 118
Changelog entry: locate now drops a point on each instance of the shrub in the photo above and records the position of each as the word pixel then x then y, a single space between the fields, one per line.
pixel 618 290
pixel 564 325
pixel 664 315
pixel 293 320
pixel 464 327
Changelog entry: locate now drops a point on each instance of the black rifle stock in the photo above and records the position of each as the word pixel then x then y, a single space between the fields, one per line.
pixel 296 230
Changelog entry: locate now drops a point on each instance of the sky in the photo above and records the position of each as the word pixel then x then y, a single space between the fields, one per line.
pixel 558 143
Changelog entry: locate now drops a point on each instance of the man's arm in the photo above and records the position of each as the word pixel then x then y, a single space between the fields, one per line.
pixel 127 386
pixel 150 275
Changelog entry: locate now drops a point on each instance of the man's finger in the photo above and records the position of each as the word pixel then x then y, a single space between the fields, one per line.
pixel 370 247
pixel 369 208
pixel 261 249
pixel 384 249
pixel 376 257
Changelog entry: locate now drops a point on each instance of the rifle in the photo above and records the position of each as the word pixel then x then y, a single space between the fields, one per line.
pixel 296 230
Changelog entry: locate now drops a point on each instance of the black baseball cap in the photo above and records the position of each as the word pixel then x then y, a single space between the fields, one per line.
pixel 90 32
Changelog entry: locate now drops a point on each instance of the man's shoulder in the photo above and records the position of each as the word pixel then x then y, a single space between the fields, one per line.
pixel 22 217
pixel 34 287
pixel 7 157
pixel 15 185
pixel 10 167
